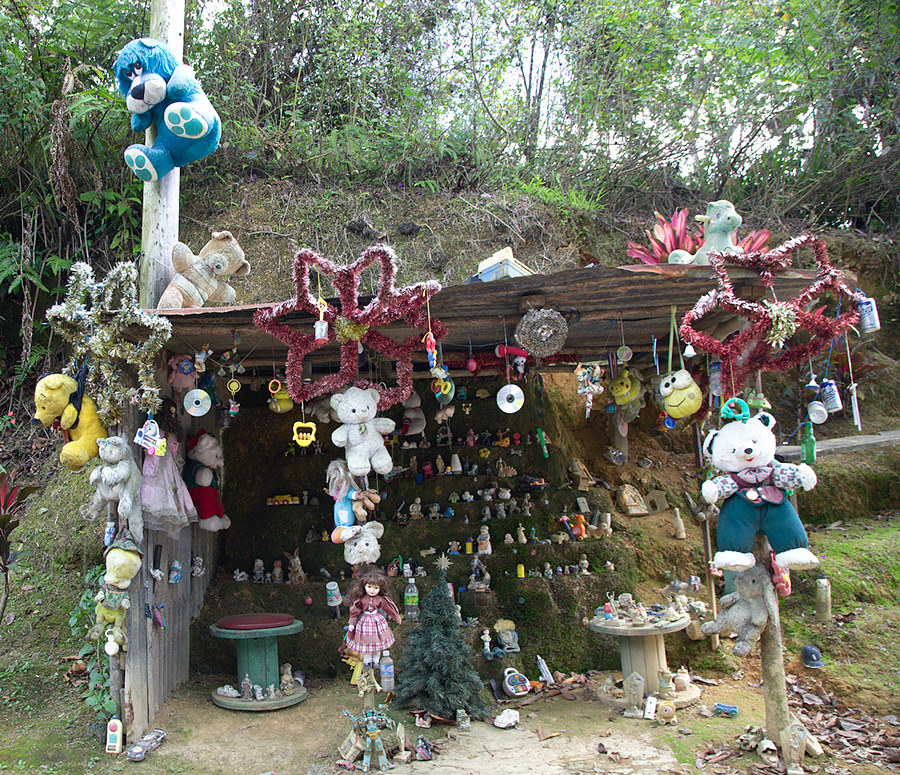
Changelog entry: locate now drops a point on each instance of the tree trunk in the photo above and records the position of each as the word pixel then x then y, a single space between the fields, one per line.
pixel 5 595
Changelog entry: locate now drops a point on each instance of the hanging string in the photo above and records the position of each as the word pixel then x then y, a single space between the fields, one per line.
pixel 671 336
pixel 505 349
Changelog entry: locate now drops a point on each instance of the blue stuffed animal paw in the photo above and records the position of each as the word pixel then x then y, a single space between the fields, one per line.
pixel 183 121
pixel 139 163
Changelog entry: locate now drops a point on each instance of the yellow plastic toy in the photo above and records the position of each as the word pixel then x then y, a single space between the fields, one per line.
pixel 123 561
pixel 304 433
pixel 280 400
pixel 52 398
pixel 682 396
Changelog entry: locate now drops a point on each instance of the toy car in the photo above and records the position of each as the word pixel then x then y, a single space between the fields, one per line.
pixel 721 709
pixel 149 742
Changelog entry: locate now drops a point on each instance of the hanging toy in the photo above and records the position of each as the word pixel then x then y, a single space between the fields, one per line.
pixel 320 328
pixel 869 322
pixel 519 367
pixel 304 433
pixel 200 358
pixel 590 383
pixel 279 400
pixel 233 387
pixel 149 437
pixel 681 395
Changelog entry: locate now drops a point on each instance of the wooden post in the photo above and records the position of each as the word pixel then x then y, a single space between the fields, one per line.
pixel 774 687
pixel 159 230
pixel 707 539
pixel 619 441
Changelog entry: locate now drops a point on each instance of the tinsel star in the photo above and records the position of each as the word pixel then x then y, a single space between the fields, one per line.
pixel 350 325
pixel 92 319
pixel 760 345
pixel 443 562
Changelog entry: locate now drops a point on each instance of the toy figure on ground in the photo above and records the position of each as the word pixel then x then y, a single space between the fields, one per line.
pixel 201 475
pixel 753 488
pixel 350 502
pixel 53 398
pixel 123 561
pixel 160 92
pixel 361 431
pixel 118 483
pixel 370 606
pixel 370 725
pixel 165 501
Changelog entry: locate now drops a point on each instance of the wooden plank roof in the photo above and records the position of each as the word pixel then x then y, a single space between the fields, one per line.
pixel 600 304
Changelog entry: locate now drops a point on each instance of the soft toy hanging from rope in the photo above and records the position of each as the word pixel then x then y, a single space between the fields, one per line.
pixel 763 345
pixel 351 325
pixel 93 319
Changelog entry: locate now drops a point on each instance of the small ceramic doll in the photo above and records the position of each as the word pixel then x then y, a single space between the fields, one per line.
pixel 371 605
pixel 165 501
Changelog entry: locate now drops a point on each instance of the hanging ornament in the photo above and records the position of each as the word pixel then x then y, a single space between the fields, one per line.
pixel 681 395
pixel 510 399
pixel 869 322
pixel 304 433
pixel 783 319
pixel 831 396
pixel 542 332
pixel 233 387
pixel 197 402
pixel 471 364
pixel 590 383
pixel 689 351
pixel 352 326
pixel 149 437
pixel 279 398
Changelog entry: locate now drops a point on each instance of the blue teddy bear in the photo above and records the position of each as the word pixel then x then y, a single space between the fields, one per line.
pixel 161 92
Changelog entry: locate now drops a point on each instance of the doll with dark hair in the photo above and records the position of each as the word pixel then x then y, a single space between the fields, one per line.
pixel 371 606
pixel 165 500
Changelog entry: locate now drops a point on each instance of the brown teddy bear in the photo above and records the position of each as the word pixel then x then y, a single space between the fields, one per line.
pixel 745 611
pixel 197 278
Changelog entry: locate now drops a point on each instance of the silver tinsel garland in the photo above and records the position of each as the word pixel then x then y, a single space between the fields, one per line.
pixel 92 319
pixel 542 332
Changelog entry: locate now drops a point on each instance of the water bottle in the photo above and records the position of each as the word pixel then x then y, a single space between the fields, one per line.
pixel 411 600
pixel 715 378
pixel 386 669
pixel 808 444
pixel 823 599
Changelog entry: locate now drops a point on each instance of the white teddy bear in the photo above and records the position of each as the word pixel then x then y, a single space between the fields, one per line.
pixel 361 431
pixel 753 488
pixel 360 542
pixel 118 482
pixel 201 474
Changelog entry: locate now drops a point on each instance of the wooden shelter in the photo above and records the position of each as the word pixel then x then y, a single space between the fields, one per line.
pixel 603 307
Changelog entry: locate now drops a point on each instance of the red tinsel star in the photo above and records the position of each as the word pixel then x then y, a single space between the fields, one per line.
pixel 351 324
pixel 750 349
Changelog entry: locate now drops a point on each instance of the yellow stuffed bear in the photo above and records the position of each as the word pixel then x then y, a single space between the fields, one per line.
pixel 52 398
pixel 123 562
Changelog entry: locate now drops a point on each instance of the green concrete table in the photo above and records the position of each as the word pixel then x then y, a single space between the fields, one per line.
pixel 256 638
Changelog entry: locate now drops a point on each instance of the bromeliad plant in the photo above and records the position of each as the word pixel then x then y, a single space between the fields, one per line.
pixel 12 501
pixel 670 235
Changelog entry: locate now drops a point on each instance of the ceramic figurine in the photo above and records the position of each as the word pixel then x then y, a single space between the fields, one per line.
pixel 548 571
pixel 197 568
pixel 527 504
pixel 454 547
pixel 453 498
pixel 584 565
pixel 370 607
pixel 434 511
pixel 479 578
pixel 468 497
pixel 501 511
pixel 520 534
pixel 277 572
pixel 484 541
pixel 666 685
pixel 246 688
pixel 259 571
pixel 508 539
pixel 296 574
pixel 606 524
pixel 240 575
pixel 287 679
pixel 415 509
pixel 678 526
pixel 634 695
pixel 258 693
pixel 413 465
pixel 175 572
pixel 449 513
pixel 486 514
pixel 682 679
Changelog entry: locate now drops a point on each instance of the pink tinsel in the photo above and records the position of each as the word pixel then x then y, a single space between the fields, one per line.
pixel 389 304
pixel 748 351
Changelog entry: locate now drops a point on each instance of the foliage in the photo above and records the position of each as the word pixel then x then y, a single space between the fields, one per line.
pixel 673 235
pixel 81 618
pixel 13 498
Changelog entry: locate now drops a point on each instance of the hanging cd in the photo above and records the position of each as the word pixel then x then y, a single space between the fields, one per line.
pixel 510 398
pixel 197 402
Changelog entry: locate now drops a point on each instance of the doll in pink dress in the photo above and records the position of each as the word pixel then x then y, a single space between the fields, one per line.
pixel 165 500
pixel 370 607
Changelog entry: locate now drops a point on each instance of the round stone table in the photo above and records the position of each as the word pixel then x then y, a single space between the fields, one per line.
pixel 643 651
pixel 256 637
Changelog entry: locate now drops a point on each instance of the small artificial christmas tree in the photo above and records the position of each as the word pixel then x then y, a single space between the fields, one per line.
pixel 435 672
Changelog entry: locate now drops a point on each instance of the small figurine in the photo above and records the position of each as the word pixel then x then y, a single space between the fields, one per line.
pixel 175 572
pixel 468 497
pixel 501 511
pixel 666 685
pixel 479 578
pixel 606 524
pixel 415 509
pixel 258 693
pixel 454 547
pixel 413 465
pixel 197 568
pixel 508 539
pixel 678 526
pixel 453 498
pixel 259 571
pixel 296 574
pixel 634 695
pixel 370 606
pixel 240 575
pixel 486 514
pixel 682 679
pixel 434 511
pixel 246 688
pixel 427 467
pixel 484 541
pixel 520 534
pixel 527 504
pixel 277 572
pixel 449 513
pixel 584 565
pixel 548 571
pixel 439 464
pixel 287 679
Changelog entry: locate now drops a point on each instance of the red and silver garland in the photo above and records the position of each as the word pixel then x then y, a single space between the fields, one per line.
pixel 753 348
pixel 390 303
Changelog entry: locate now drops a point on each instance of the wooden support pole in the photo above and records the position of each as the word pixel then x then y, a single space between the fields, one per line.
pixel 707 539
pixel 618 440
pixel 774 687
pixel 159 229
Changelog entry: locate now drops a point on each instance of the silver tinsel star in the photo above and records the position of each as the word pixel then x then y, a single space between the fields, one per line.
pixel 443 562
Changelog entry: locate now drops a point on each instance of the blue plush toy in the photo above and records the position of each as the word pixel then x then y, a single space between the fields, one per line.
pixel 161 92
